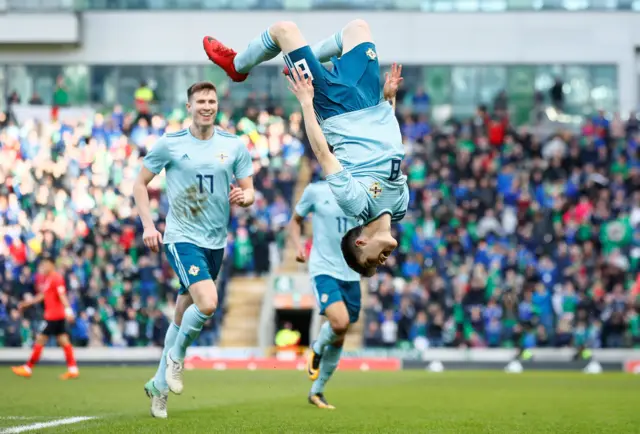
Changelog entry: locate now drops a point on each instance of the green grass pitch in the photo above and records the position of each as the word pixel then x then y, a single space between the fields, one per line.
pixel 367 402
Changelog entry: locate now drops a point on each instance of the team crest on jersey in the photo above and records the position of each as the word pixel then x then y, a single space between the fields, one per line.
pixel 223 157
pixel 324 298
pixel 375 190
pixel 194 270
pixel 371 54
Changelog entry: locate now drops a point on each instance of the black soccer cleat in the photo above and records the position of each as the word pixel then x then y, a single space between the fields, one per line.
pixel 313 365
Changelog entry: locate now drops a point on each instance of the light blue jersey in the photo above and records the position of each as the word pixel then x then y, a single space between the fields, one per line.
pixel 199 173
pixel 329 226
pixel 368 144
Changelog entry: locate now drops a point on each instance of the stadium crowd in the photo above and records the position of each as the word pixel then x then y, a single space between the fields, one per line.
pixel 512 239
pixel 65 188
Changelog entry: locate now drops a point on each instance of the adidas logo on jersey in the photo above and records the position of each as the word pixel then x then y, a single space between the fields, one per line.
pixel 185 157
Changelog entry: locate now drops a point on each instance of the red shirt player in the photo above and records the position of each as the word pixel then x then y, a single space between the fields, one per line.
pixel 57 311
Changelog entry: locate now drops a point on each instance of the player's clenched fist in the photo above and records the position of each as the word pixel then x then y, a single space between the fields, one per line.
pixel 236 195
pixel 152 239
pixel 301 255
pixel 301 87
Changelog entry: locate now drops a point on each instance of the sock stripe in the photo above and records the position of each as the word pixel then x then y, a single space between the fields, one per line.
pixel 268 42
pixel 338 37
pixel 175 325
pixel 200 315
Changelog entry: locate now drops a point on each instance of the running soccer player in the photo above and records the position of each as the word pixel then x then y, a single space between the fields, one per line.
pixel 364 174
pixel 336 286
pixel 57 311
pixel 200 163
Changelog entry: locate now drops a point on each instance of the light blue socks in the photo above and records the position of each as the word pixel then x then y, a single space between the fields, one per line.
pixel 263 48
pixel 259 50
pixel 328 365
pixel 192 322
pixel 326 337
pixel 169 339
pixel 327 48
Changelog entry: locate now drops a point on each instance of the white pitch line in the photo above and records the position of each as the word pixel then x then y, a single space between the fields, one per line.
pixel 43 425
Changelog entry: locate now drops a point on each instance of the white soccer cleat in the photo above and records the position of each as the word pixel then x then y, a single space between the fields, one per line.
pixel 159 406
pixel 158 400
pixel 174 375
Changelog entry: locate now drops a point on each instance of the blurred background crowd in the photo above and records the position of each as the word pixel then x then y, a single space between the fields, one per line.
pixel 522 235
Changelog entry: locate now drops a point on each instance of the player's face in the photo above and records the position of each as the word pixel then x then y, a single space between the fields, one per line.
pixel 203 107
pixel 376 251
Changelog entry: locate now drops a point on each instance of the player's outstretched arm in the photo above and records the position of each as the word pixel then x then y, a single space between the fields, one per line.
pixel 151 237
pixel 302 88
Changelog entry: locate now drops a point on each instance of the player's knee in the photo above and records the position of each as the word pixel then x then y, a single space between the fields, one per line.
pixel 340 325
pixel 284 29
pixel 208 307
pixel 358 25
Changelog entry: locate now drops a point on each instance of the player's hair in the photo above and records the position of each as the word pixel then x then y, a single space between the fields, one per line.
pixel 201 85
pixel 350 252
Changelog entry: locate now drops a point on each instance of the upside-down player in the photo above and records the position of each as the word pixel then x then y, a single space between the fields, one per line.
pixel 57 311
pixel 364 175
pixel 200 163
pixel 336 286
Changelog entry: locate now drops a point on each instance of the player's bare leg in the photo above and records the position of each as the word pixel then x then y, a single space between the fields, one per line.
pixel 157 388
pixel 72 367
pixel 26 369
pixel 282 36
pixel 354 34
pixel 325 352
pixel 205 302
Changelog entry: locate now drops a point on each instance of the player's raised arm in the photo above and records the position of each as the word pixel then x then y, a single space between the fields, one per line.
pixel 302 88
pixel 392 82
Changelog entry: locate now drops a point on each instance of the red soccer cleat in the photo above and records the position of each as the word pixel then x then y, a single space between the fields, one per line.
pixel 223 56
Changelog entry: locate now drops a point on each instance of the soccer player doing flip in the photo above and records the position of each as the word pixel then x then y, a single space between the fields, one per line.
pixel 341 107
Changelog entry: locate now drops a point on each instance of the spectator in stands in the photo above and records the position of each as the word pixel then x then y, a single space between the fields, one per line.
pixel 143 98
pixel 556 94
